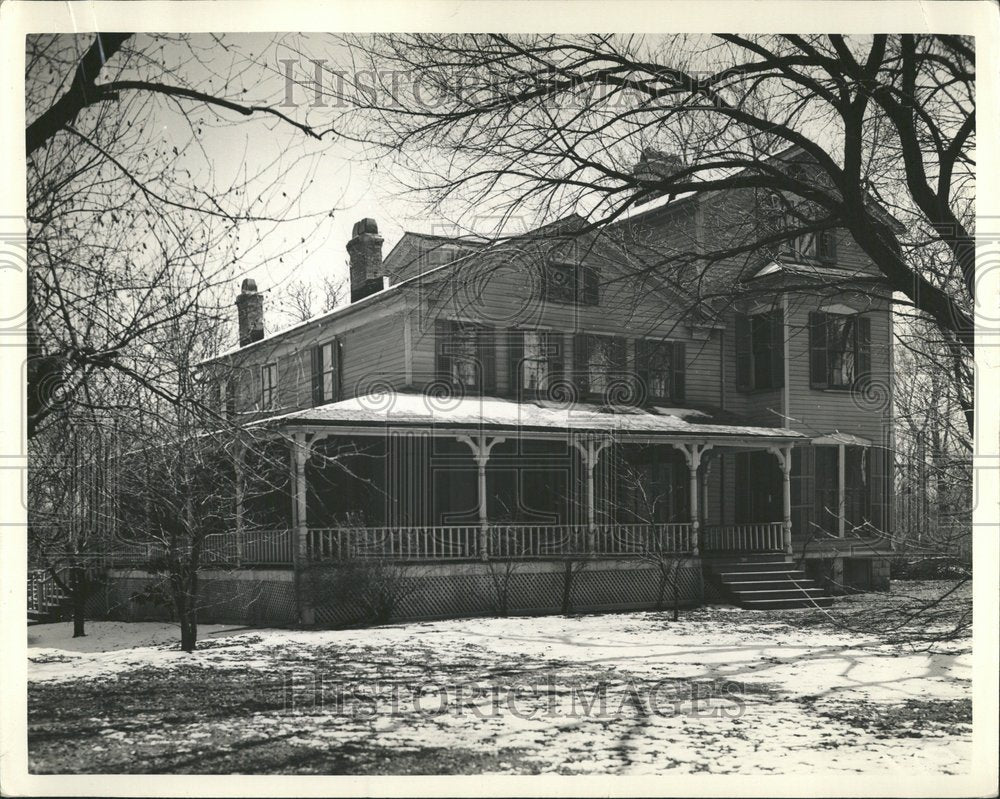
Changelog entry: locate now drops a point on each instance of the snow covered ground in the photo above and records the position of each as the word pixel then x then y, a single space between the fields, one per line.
pixel 724 690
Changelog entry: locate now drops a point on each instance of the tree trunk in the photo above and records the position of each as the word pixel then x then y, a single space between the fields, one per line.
pixel 80 589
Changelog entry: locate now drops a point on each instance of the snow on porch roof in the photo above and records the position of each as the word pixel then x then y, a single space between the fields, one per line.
pixel 412 409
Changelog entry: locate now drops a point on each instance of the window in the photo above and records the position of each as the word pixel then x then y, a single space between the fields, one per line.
pixel 227 398
pixel 536 360
pixel 780 214
pixel 268 385
pixel 812 246
pixel 660 367
pixel 466 356
pixel 760 351
pixel 326 372
pixel 839 350
pixel 571 284
pixel 857 495
pixel 598 363
pixel 827 492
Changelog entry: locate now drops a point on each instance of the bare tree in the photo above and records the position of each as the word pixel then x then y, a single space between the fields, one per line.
pixel 885 126
pixel 126 199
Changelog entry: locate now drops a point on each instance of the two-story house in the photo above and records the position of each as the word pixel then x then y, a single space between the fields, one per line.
pixel 580 406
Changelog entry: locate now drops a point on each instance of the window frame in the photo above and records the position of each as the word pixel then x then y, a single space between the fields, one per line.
pixel 325 364
pixel 747 353
pixel 551 350
pixel 617 349
pixel 268 385
pixel 676 369
pixel 583 284
pixel 484 357
pixel 820 352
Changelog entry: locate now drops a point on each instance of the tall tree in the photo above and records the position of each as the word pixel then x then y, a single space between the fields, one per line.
pixel 130 195
pixel 554 123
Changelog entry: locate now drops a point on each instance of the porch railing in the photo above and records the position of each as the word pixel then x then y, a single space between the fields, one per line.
pixel 760 537
pixel 463 542
pixel 639 539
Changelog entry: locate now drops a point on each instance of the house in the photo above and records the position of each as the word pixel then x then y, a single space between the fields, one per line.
pixel 559 415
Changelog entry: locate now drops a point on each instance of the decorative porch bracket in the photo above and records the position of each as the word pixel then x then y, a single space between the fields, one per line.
pixel 591 450
pixel 784 456
pixel 481 448
pixel 693 454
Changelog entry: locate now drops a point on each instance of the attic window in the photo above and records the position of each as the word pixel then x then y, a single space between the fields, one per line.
pixel 571 284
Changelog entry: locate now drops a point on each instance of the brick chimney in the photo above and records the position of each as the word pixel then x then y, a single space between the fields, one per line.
pixel 365 251
pixel 657 164
pixel 250 308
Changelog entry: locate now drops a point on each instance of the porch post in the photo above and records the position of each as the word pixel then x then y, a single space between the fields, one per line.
pixel 591 451
pixel 693 454
pixel 300 448
pixel 784 456
pixel 481 448
pixel 301 454
pixel 239 491
pixel 841 492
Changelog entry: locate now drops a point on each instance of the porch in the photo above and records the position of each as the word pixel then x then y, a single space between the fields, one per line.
pixel 455 543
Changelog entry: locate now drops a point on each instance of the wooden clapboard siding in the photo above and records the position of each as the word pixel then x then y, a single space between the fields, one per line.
pixel 509 297
pixel 371 349
pixel 820 412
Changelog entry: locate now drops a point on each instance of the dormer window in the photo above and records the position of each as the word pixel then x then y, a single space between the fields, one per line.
pixel 571 284
pixel 781 214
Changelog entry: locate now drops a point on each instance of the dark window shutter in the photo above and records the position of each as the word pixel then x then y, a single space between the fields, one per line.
pixel 556 352
pixel 486 344
pixel 863 349
pixel 581 356
pixel 827 245
pixel 744 358
pixel 338 380
pixel 642 369
pixel 619 355
pixel 515 352
pixel 777 349
pixel 678 378
pixel 817 350
pixel 317 375
pixel 591 285
pixel 442 341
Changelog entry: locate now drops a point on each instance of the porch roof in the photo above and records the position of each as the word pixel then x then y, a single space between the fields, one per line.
pixel 420 410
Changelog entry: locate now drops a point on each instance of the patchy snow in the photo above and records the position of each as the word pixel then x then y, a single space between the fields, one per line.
pixel 724 690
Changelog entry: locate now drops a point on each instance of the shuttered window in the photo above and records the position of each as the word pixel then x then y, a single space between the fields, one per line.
pixel 535 360
pixel 839 350
pixel 598 364
pixel 326 373
pixel 660 368
pixel 268 385
pixel 760 351
pixel 466 356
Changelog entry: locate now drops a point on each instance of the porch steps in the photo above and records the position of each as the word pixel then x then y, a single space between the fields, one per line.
pixel 764 581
